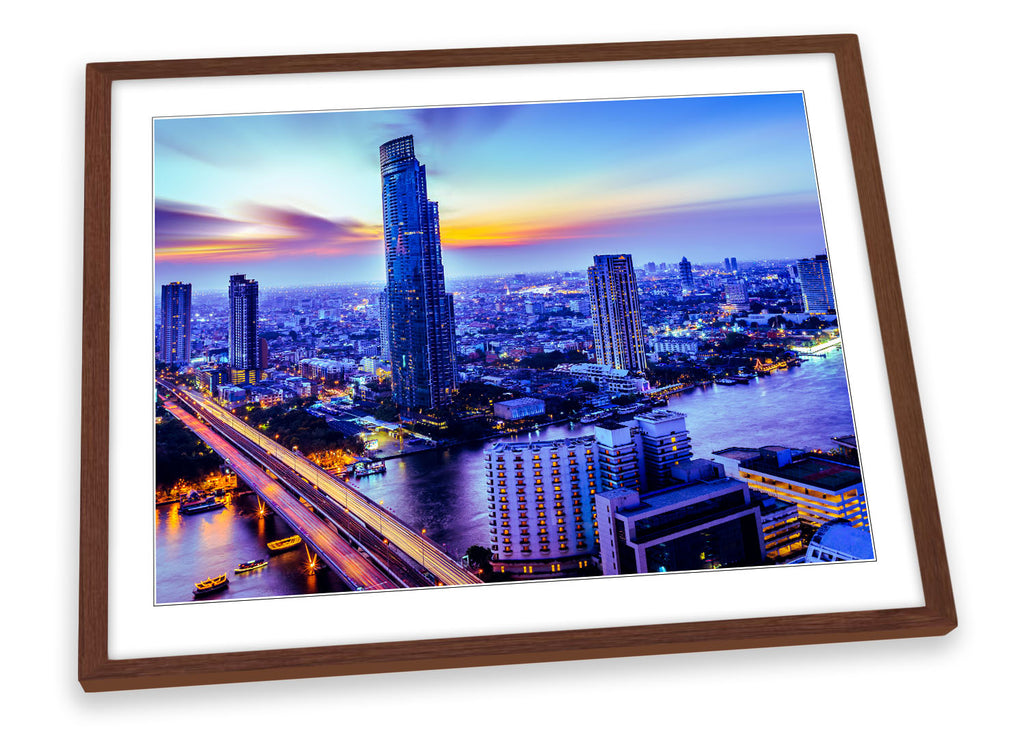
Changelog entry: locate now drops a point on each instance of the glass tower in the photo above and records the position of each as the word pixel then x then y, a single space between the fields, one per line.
pixel 243 339
pixel 176 324
pixel 615 311
pixel 421 329
pixel 816 285
pixel 686 277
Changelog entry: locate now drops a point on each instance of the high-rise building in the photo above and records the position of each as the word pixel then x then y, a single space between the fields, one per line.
pixel 816 285
pixel 243 338
pixel 384 314
pixel 615 312
pixel 666 444
pixel 735 266
pixel 422 324
pixel 728 265
pixel 686 277
pixel 541 500
pixel 736 292
pixel 176 324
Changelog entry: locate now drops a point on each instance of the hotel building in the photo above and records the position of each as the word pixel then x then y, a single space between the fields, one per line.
pixel 176 324
pixel 823 489
pixel 615 312
pixel 540 499
pixel 417 309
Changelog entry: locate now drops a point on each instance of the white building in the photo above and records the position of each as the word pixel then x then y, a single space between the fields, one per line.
pixel 607 378
pixel 517 409
pixel 540 499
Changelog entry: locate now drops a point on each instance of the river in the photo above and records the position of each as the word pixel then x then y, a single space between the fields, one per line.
pixel 444 491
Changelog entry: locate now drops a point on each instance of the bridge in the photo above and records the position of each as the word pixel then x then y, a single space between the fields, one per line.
pixel 406 552
pixel 333 549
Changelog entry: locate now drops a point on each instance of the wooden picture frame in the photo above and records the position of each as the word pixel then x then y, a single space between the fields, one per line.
pixel 99 672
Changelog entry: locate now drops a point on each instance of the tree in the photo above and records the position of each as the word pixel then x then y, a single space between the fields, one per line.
pixel 589 386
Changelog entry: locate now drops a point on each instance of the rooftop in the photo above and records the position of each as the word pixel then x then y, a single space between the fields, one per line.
pixel 808 471
pixel 841 536
pixel 679 496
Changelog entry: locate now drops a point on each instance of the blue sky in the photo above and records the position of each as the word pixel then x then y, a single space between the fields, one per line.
pixel 295 198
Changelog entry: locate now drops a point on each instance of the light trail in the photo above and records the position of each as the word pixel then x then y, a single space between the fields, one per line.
pixel 345 559
pixel 414 545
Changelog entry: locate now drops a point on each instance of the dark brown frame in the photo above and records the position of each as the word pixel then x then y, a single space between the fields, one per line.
pixel 97 672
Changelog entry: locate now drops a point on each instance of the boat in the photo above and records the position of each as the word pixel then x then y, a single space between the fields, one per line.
pixel 286 543
pixel 201 505
pixel 251 565
pixel 725 382
pixel 362 468
pixel 211 585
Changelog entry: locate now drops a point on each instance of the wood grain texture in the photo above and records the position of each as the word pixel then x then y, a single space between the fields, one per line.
pixel 97 672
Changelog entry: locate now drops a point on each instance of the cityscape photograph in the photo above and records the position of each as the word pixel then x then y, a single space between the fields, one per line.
pixel 606 343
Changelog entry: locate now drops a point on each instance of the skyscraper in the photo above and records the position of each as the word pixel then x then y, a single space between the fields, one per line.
pixel 176 324
pixel 243 339
pixel 384 313
pixel 816 284
pixel 615 311
pixel 686 277
pixel 422 325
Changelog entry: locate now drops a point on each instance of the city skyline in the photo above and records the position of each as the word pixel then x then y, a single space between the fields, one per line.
pixel 297 195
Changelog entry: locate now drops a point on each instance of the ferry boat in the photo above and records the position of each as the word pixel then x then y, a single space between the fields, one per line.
pixel 287 543
pixel 726 382
pixel 195 503
pixel 596 416
pixel 211 585
pixel 362 468
pixel 251 565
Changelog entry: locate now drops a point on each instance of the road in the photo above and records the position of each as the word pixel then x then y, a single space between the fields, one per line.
pixel 415 546
pixel 333 548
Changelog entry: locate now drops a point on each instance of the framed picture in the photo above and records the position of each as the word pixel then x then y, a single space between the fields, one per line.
pixel 432 359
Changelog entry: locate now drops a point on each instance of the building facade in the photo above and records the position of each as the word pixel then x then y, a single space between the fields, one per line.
pixel 686 285
pixel 823 489
pixel 615 312
pixel 420 313
pixel 607 378
pixel 176 324
pixel 704 521
pixel 243 336
pixel 518 409
pixel 666 445
pixel 736 293
pixel 816 285
pixel 540 499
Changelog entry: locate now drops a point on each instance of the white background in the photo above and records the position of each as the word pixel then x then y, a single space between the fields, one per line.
pixel 941 87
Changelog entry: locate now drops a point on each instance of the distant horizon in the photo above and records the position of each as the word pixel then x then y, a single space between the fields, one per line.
pixel 674 266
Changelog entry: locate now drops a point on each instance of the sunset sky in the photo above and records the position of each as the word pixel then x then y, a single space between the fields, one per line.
pixel 296 198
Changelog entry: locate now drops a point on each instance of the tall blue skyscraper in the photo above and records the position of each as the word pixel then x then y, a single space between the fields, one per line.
pixel 243 338
pixel 176 324
pixel 421 318
pixel 686 277
pixel 816 284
